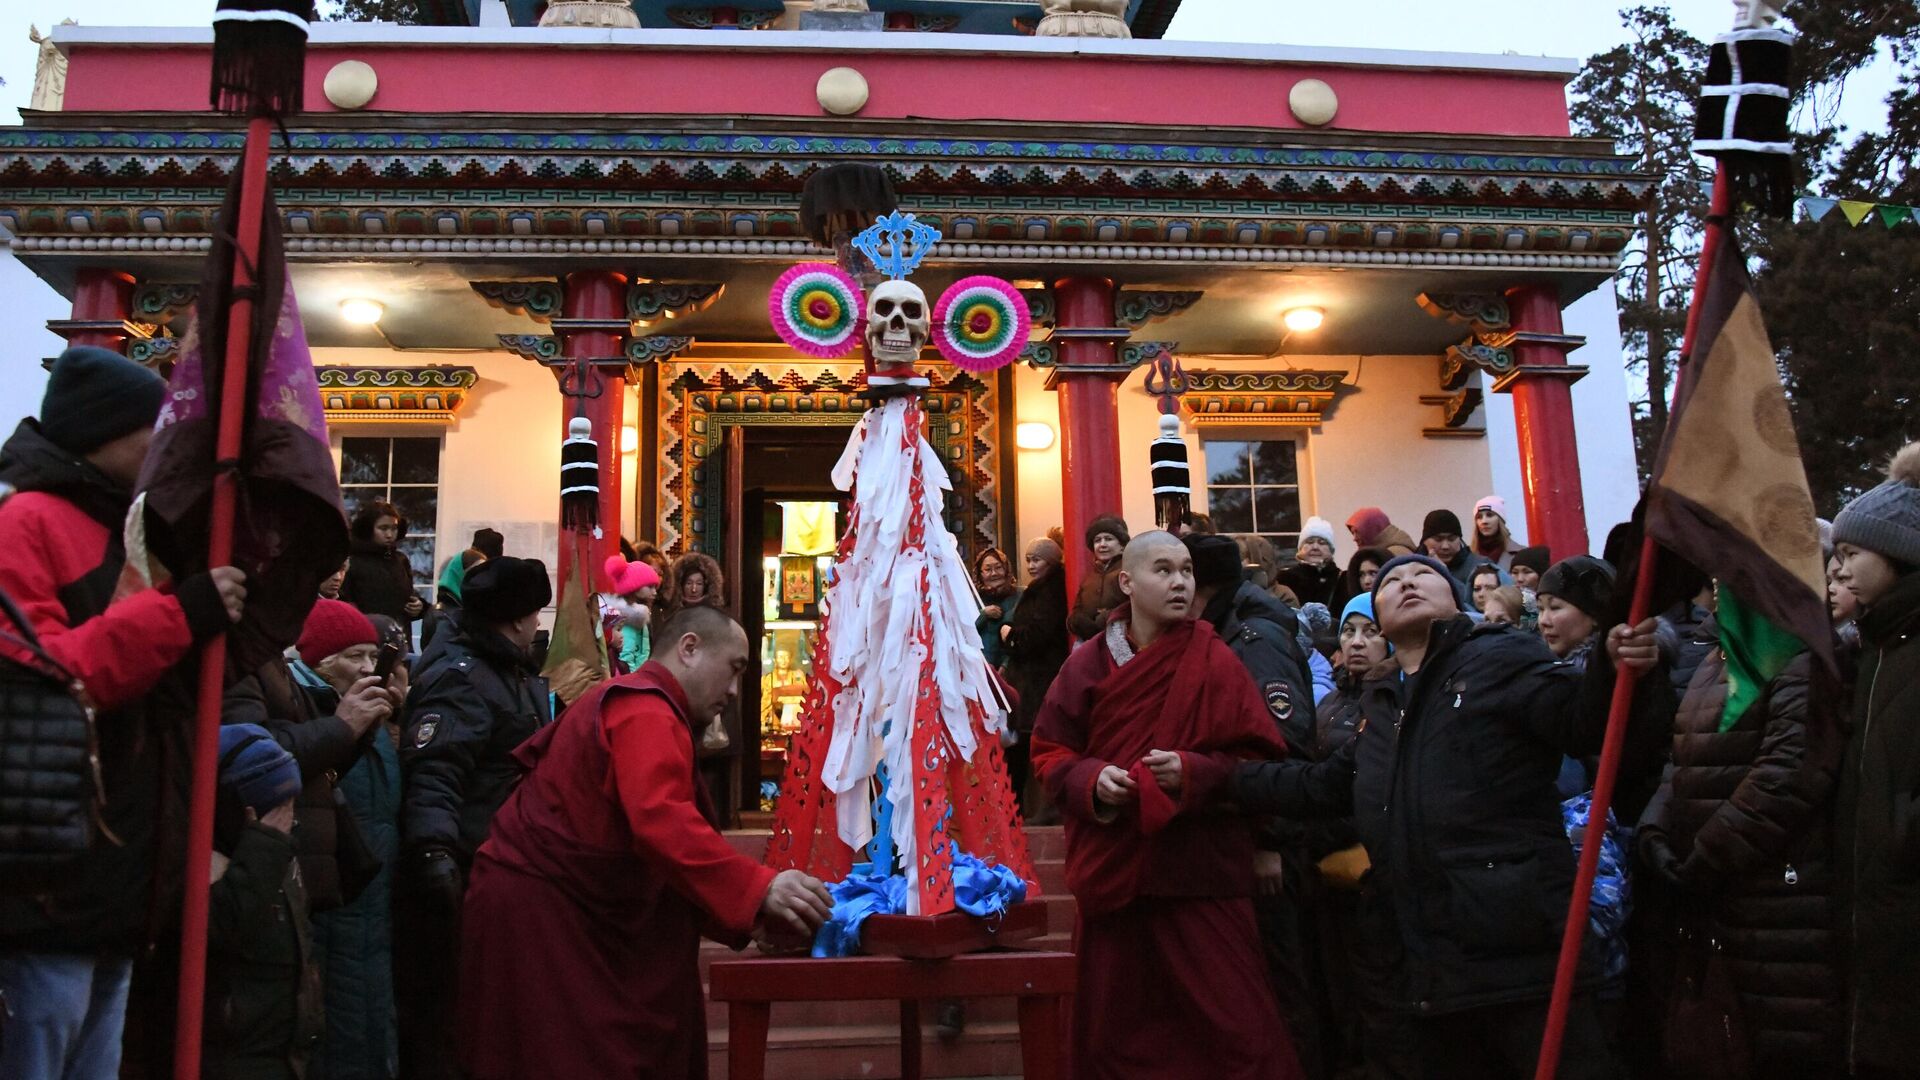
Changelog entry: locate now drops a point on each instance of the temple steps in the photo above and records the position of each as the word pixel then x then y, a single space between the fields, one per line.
pixel 860 1040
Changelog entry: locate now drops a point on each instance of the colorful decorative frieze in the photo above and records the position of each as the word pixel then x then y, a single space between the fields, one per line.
pixel 431 395
pixel 1265 398
pixel 1135 308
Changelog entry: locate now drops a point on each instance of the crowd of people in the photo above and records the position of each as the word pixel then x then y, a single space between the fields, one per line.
pixel 1328 815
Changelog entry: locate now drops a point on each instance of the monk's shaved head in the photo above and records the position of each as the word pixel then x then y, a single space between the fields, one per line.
pixel 1156 573
pixel 1142 550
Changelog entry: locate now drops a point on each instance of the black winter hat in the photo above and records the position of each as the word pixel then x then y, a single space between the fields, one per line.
pixel 95 395
pixel 1216 560
pixel 1583 581
pixel 489 542
pixel 1440 523
pixel 1536 558
pixel 505 589
pixel 1108 523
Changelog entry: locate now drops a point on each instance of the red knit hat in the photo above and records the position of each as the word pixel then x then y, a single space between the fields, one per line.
pixel 334 626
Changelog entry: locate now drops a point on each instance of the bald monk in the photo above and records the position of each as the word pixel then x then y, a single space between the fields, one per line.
pixel 604 869
pixel 1143 727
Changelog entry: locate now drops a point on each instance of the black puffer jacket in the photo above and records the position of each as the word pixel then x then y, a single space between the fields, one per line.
pixel 1311 584
pixel 1459 813
pixel 475 698
pixel 1748 813
pixel 1687 634
pixel 1878 836
pixel 1037 644
pixel 380 578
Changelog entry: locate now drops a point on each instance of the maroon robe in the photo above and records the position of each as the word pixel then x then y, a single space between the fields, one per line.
pixel 584 916
pixel 1172 984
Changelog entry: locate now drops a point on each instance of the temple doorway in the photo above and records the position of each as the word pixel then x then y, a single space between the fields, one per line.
pixel 789 518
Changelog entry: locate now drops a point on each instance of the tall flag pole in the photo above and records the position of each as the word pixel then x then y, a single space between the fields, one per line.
pixel 207 446
pixel 1729 490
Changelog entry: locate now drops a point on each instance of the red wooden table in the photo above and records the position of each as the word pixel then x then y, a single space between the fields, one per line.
pixel 1041 981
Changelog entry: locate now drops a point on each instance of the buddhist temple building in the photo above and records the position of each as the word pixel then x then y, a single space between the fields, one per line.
pixel 1360 258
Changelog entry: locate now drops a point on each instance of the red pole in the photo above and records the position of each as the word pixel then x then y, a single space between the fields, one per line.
pixel 1089 417
pixel 213 659
pixel 1624 680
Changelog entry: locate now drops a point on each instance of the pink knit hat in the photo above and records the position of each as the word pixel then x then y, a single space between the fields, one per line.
pixel 630 577
pixel 334 626
pixel 1494 503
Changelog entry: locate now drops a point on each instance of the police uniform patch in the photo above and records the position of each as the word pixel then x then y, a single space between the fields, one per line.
pixel 1279 701
pixel 424 733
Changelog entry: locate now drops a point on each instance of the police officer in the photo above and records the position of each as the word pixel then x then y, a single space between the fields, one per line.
pixel 1263 633
pixel 476 696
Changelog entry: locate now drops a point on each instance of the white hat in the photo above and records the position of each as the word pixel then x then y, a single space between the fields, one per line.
pixel 1320 527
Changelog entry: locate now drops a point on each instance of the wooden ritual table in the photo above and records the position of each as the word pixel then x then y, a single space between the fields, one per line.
pixel 928 962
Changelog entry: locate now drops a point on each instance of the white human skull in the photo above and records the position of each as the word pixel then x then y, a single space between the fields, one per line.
pixel 898 322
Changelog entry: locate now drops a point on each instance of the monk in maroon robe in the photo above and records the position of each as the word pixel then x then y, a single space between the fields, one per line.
pixel 1141 730
pixel 603 870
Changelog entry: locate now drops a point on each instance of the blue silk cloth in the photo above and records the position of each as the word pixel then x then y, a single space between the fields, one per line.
pixel 978 889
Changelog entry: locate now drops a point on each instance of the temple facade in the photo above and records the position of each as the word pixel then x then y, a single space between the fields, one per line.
pixel 1351 253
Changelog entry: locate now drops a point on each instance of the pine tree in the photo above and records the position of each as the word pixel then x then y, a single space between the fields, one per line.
pixel 404 12
pixel 1843 303
pixel 1641 95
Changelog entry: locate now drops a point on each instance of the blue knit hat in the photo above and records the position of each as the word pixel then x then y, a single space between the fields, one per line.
pixel 1359 605
pixel 258 770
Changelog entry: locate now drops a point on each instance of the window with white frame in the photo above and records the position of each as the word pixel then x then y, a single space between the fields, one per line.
pixel 1254 487
pixel 406 473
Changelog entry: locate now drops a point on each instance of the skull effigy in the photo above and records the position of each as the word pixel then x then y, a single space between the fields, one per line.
pixel 899 322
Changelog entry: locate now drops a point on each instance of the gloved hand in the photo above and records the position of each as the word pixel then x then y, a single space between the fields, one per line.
pixel 1658 858
pixel 433 875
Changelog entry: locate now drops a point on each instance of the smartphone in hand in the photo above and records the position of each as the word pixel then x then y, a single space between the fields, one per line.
pixel 389 659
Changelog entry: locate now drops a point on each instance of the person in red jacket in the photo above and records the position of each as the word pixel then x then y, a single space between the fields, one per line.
pixel 65 957
pixel 1143 727
pixel 602 871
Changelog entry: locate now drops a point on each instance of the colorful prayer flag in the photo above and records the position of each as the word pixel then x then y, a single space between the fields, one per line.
pixel 1818 208
pixel 1894 215
pixel 1855 210
pixel 1730 494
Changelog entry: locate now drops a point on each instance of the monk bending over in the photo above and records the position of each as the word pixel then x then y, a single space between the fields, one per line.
pixel 1144 725
pixel 603 870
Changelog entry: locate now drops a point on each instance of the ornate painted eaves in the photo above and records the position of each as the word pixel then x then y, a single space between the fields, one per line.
pixel 1241 398
pixel 419 188
pixel 412 395
pixel 1457 410
pixel 1484 313
pixel 649 302
pixel 1135 308
pixel 538 300
pixel 159 303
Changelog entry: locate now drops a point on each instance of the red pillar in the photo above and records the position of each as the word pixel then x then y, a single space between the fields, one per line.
pixel 1542 389
pixel 594 327
pixel 102 300
pixel 1088 381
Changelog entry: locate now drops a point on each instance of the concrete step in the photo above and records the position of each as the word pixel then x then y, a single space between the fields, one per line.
pixel 872 1052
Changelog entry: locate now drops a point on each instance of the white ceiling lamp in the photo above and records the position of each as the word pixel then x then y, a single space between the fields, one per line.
pixel 629 439
pixel 361 311
pixel 1303 320
pixel 1033 435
